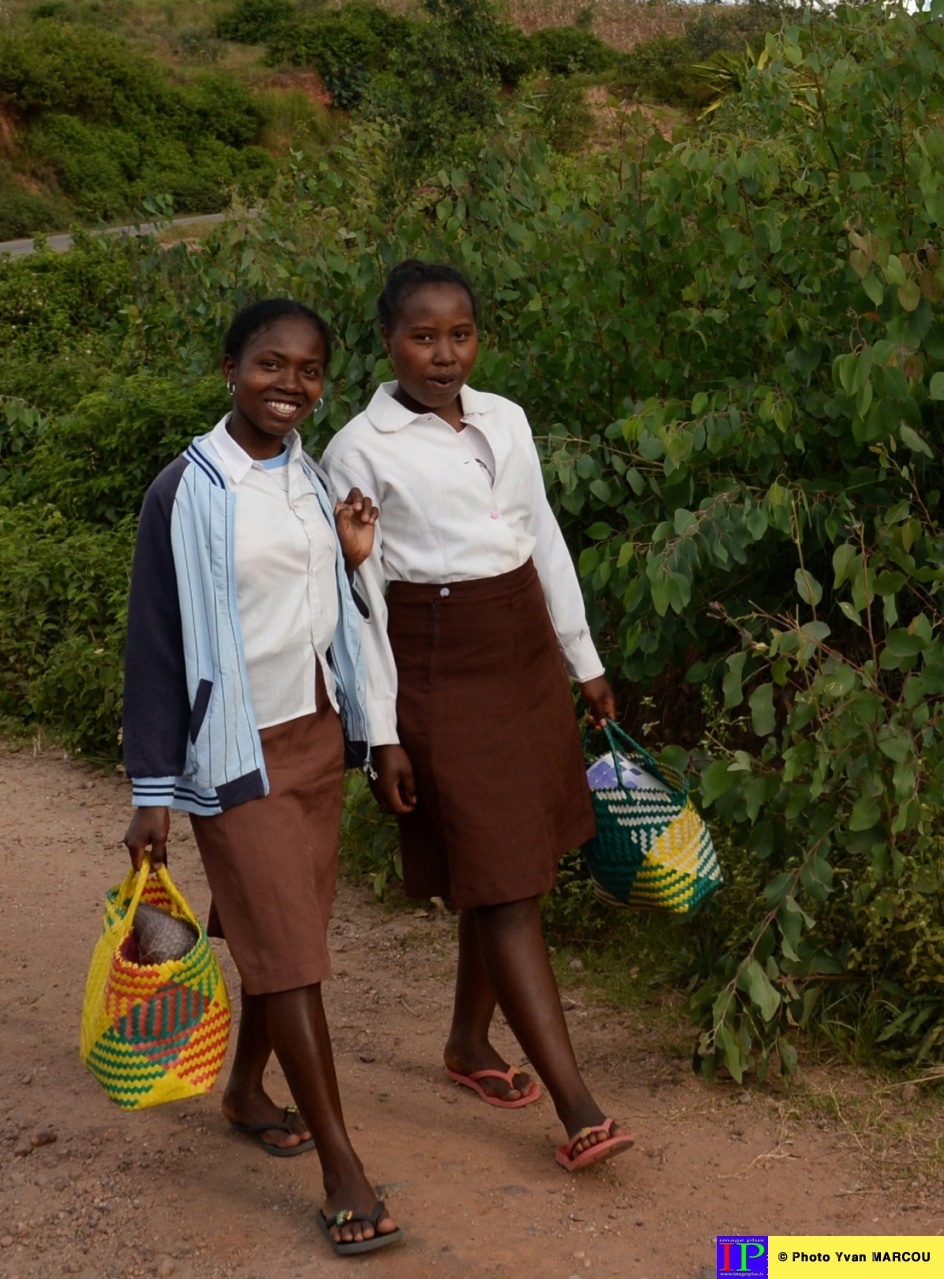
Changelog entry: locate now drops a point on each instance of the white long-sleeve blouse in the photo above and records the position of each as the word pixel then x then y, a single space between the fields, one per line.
pixel 444 518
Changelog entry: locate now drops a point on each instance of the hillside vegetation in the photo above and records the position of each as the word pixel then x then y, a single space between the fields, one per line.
pixel 732 349
pixel 107 105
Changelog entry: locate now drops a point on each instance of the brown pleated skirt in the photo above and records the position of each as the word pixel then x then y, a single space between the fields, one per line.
pixel 272 863
pixel 485 712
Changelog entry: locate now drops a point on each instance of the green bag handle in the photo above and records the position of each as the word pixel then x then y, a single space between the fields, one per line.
pixel 617 737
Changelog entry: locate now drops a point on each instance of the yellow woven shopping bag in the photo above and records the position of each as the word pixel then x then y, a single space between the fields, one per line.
pixel 152 1032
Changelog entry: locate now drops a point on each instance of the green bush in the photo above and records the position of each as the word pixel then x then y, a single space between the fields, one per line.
pixel 108 128
pixel 660 71
pixel 102 455
pixel 566 119
pixel 62 601
pixel 728 29
pixel 255 21
pixel 567 50
pixel 345 46
pixel 25 213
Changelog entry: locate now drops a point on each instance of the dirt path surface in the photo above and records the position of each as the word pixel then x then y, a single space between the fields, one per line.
pixel 174 1191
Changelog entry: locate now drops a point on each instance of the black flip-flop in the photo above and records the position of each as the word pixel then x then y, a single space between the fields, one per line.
pixel 348 1248
pixel 279 1152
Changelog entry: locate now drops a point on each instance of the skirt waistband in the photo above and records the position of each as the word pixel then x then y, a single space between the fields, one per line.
pixel 474 590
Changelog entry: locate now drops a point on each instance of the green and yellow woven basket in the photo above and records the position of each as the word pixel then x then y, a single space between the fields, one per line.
pixel 152 1032
pixel 652 851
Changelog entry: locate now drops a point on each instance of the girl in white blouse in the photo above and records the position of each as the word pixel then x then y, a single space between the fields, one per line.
pixel 470 713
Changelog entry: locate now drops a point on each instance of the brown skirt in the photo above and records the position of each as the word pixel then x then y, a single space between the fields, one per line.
pixel 272 863
pixel 485 712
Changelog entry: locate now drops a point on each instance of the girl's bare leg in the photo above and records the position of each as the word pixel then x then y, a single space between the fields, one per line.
pixel 245 1100
pixel 511 945
pixel 468 1048
pixel 298 1032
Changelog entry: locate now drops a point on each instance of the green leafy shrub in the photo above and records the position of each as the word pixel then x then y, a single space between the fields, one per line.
pixel 566 50
pixel 25 213
pixel 659 71
pixel 104 453
pixel 62 600
pixel 108 128
pixel 720 28
pixel 345 46
pixel 255 21
pixel 566 119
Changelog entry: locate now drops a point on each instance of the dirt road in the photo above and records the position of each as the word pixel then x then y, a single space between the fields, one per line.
pixel 174 1191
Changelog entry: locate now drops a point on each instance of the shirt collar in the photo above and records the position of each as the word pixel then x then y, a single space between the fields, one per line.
pixel 236 461
pixel 387 414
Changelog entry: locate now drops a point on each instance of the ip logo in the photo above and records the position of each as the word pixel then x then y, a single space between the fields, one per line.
pixel 742 1257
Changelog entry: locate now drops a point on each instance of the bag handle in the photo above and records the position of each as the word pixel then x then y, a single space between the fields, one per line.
pixel 133 887
pixel 616 737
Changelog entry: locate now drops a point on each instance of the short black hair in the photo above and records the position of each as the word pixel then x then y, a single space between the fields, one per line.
pixel 406 277
pixel 257 316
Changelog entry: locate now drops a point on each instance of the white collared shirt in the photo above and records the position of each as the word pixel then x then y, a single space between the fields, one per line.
pixel 444 518
pixel 286 588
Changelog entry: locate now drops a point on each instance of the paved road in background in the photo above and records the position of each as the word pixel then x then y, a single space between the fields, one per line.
pixel 59 243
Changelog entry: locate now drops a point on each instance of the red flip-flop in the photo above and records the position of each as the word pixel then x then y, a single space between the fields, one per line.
pixel 472 1081
pixel 600 1150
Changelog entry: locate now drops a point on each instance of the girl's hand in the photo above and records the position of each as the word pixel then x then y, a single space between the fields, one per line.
pixel 394 787
pixel 149 829
pixel 600 701
pixel 354 519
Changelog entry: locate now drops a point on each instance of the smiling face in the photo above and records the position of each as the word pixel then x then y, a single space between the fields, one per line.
pixel 278 376
pixel 433 345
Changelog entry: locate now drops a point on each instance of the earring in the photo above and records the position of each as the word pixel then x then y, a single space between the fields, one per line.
pixel 318 403
pixel 231 388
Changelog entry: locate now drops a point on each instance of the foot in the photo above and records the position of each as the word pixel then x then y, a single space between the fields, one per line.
pixel 593 1143
pixel 596 1134
pixel 469 1063
pixel 360 1200
pixel 250 1112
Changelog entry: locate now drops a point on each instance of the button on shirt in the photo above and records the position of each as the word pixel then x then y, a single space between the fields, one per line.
pixel 453 510
pixel 286 589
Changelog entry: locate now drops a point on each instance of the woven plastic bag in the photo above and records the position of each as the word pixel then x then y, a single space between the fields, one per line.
pixel 152 1032
pixel 652 851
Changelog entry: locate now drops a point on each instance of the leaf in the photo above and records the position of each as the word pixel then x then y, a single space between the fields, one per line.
pixel 597 532
pixel 699 404
pixel 684 520
pixel 912 440
pixel 903 643
pixel 936 387
pixel 761 702
pixel 837 683
pixel 589 558
pixel 732 1054
pixel 909 295
pixel 761 991
pixel 731 684
pixel 714 782
pixel 865 813
pixel 788 1057
pixel 808 588
pixel 874 288
pixel 842 559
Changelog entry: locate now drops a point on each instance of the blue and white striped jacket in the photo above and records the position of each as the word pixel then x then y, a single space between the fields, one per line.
pixel 189 733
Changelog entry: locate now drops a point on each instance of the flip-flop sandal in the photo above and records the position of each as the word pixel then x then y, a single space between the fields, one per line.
pixel 346 1218
pixel 280 1152
pixel 472 1081
pixel 601 1150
